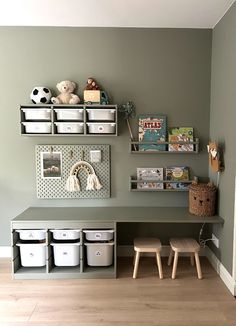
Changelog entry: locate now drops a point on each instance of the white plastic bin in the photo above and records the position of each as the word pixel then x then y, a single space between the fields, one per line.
pixel 32 234
pixel 37 127
pixel 32 254
pixel 101 128
pixel 66 234
pixel 100 254
pixel 66 254
pixel 99 235
pixel 101 114
pixel 37 114
pixel 70 114
pixel 70 127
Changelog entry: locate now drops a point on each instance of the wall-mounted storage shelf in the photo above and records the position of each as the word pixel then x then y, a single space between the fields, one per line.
pixel 134 147
pixel 133 185
pixel 68 120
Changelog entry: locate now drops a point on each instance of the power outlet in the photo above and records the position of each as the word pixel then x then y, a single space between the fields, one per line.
pixel 215 240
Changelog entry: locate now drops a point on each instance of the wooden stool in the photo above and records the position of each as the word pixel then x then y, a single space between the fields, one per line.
pixel 147 245
pixel 184 245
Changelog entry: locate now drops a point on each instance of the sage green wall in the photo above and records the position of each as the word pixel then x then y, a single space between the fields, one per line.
pixel 163 71
pixel 222 126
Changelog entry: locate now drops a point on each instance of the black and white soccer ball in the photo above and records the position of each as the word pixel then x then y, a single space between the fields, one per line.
pixel 40 95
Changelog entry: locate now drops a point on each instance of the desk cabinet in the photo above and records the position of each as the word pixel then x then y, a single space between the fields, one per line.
pixel 50 271
pixel 84 219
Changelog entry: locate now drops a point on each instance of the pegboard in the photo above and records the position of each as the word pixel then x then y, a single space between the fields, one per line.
pixel 49 188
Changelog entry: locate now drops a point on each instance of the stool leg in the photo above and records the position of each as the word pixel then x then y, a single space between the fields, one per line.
pixel 198 266
pixel 158 256
pixel 136 264
pixel 192 259
pixel 175 265
pixel 170 257
pixel 134 257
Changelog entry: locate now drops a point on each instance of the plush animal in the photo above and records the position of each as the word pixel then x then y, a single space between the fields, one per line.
pixel 66 96
pixel 91 85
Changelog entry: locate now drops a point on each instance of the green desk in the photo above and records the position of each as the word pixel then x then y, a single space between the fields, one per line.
pixel 88 218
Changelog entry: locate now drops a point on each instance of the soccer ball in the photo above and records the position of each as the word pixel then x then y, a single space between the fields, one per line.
pixel 40 95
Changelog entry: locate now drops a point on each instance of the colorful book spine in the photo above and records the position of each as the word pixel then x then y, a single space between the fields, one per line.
pixel 181 134
pixel 152 128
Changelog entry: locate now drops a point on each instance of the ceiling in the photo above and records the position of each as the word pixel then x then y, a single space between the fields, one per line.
pixel 114 13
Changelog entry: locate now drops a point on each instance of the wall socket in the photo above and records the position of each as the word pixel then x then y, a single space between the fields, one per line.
pixel 215 240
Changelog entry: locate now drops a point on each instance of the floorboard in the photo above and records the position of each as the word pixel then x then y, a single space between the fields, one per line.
pixel 147 300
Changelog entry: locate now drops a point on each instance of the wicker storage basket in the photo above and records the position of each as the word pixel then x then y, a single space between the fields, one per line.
pixel 202 199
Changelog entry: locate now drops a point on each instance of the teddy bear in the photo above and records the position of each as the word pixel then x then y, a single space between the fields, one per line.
pixel 66 96
pixel 91 85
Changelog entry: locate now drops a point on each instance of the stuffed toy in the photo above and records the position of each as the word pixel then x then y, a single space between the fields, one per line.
pixel 91 85
pixel 66 88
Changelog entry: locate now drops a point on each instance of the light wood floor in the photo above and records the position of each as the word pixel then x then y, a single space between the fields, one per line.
pixel 146 301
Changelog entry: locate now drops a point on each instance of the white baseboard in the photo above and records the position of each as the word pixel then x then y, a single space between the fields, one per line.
pixel 221 270
pixel 5 252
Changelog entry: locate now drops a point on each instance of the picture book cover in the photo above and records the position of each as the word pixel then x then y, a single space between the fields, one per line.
pixel 152 174
pixel 177 185
pixel 179 134
pixel 152 128
pixel 177 173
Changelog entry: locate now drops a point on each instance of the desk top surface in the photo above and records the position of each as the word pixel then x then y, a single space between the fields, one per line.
pixel 114 214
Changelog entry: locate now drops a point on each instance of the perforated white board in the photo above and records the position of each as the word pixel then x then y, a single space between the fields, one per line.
pixel 49 188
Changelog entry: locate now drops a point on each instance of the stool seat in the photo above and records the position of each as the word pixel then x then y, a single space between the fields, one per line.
pixel 184 245
pixel 187 245
pixel 147 245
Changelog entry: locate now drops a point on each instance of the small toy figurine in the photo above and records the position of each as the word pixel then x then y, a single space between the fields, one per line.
pixel 91 85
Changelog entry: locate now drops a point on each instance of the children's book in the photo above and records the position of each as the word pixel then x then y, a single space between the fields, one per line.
pixel 152 128
pixel 150 174
pixel 177 185
pixel 181 134
pixel 177 173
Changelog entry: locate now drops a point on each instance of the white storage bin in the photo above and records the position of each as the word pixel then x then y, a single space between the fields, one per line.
pixel 32 254
pixel 101 128
pixel 37 127
pixel 99 235
pixel 100 254
pixel 37 114
pixel 32 234
pixel 101 114
pixel 66 254
pixel 70 114
pixel 70 127
pixel 66 234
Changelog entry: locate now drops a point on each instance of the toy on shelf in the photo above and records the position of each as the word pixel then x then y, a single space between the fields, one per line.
pixel 93 93
pixel 92 85
pixel 66 96
pixel 40 95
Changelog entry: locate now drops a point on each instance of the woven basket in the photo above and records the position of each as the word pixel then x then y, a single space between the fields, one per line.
pixel 202 199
